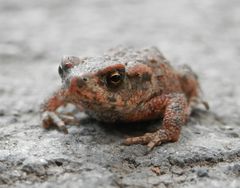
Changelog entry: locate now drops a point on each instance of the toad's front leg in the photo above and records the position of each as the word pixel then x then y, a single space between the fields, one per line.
pixel 49 116
pixel 175 111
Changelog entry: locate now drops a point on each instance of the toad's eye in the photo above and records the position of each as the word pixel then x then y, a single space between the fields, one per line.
pixel 114 79
pixel 60 71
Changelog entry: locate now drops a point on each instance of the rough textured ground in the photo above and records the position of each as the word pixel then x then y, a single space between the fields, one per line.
pixel 33 37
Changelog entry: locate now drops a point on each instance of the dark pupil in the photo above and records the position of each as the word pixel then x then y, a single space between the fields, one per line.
pixel 60 71
pixel 116 78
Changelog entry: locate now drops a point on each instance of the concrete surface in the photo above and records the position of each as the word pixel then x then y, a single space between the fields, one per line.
pixel 33 37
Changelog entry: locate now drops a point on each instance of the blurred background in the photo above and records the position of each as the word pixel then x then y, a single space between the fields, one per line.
pixel 37 30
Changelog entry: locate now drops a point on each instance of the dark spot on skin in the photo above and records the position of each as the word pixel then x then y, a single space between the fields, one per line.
pixel 153 61
pixel 146 77
pixel 113 107
pixel 112 99
pixel 159 77
pixel 184 78
pixel 85 79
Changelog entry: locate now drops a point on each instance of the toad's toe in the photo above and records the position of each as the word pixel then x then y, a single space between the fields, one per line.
pixel 51 119
pixel 151 139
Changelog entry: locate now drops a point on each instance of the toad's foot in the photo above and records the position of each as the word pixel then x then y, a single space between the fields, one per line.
pixel 151 139
pixel 52 119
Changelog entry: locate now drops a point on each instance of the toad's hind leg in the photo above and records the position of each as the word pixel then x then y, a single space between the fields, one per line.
pixel 174 109
pixel 191 87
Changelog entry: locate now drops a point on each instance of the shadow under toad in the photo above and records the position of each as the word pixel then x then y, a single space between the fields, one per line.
pixel 121 130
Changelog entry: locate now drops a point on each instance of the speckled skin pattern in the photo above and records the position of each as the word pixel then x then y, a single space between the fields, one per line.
pixel 127 85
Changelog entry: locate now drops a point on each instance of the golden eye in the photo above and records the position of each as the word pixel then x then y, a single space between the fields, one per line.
pixel 114 79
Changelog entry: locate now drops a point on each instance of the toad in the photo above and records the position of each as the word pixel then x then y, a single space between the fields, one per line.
pixel 127 85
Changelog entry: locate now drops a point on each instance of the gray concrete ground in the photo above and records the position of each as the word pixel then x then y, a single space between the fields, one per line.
pixel 33 37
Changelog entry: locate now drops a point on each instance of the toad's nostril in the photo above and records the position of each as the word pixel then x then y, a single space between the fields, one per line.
pixel 81 81
pixel 85 79
pixel 75 83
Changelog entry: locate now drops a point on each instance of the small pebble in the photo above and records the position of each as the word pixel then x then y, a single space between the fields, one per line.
pixel 236 169
pixel 202 173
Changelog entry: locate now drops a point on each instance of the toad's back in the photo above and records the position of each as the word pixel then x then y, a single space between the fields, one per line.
pixel 167 78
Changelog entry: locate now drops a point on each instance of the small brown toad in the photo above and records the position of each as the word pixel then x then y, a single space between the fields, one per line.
pixel 127 85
